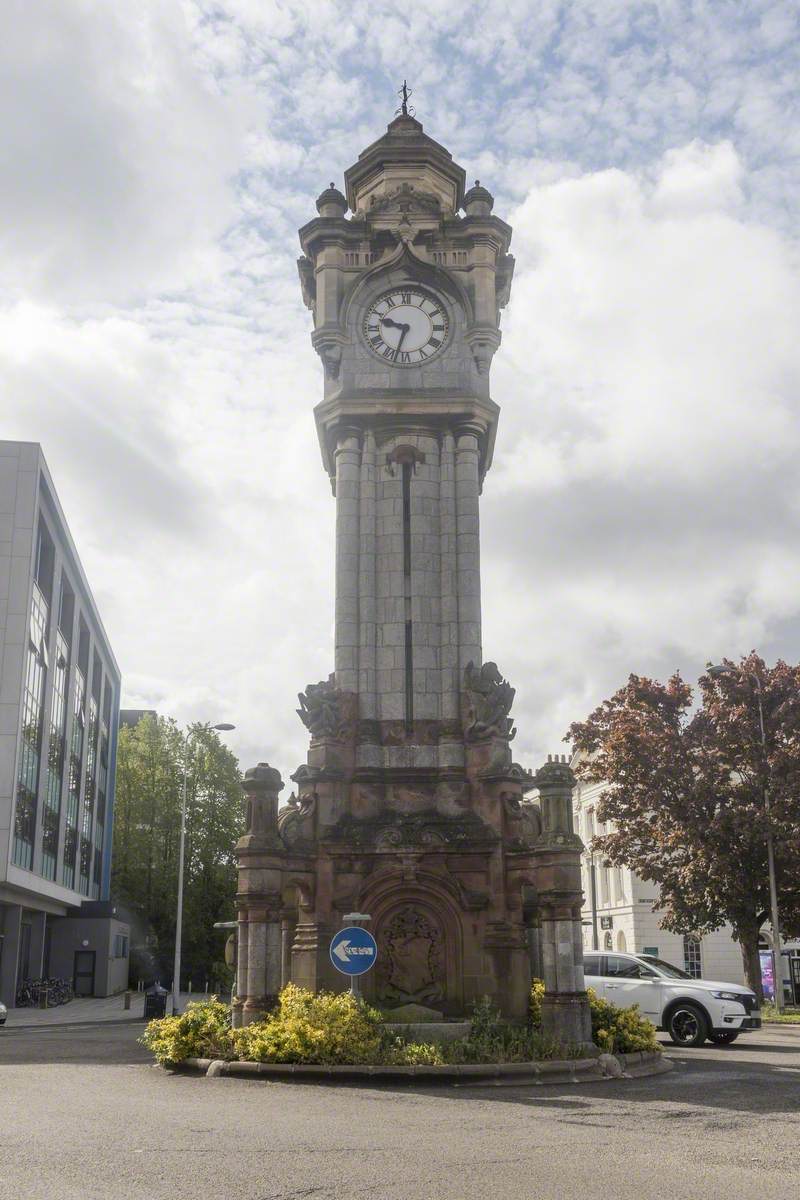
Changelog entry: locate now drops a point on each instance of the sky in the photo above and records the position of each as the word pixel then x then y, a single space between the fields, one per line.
pixel 643 510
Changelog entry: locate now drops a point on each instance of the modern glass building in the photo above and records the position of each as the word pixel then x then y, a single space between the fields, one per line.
pixel 59 709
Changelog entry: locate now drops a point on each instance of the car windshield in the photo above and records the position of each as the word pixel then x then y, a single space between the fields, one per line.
pixel 664 967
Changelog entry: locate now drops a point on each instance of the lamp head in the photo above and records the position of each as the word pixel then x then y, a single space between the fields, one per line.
pixel 223 727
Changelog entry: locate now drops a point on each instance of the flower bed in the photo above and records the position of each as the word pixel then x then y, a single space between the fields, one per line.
pixel 333 1028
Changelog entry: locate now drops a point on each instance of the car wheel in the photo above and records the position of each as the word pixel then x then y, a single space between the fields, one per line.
pixel 725 1037
pixel 687 1025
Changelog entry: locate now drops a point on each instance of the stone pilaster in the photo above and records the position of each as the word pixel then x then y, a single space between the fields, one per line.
pixel 565 1008
pixel 288 922
pixel 367 607
pixel 348 463
pixel 467 470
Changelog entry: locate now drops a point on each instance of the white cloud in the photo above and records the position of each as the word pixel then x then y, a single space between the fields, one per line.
pixel 116 152
pixel 642 512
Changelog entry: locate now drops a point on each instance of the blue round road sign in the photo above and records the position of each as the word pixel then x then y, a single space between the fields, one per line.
pixel 354 950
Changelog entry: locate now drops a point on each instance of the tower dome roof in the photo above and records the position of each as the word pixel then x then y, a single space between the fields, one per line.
pixel 478 200
pixel 405 154
pixel 333 200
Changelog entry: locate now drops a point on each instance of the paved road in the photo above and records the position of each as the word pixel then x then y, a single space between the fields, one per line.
pixel 84 1116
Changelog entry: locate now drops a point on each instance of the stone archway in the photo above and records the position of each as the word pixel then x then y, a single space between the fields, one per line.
pixel 420 952
pixel 412 965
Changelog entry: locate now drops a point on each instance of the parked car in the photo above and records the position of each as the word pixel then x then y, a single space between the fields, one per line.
pixel 689 1010
pixel 3 1013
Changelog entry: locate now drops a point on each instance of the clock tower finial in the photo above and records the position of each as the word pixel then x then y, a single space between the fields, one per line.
pixel 404 111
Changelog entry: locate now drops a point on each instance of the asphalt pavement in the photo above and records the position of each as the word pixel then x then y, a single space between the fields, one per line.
pixel 84 1115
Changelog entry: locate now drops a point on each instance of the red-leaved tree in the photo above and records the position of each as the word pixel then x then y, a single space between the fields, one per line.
pixel 688 790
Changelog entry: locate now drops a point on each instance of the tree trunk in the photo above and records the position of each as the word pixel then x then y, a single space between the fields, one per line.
pixel 747 937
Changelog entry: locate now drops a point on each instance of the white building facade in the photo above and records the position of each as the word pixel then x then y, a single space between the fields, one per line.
pixel 619 913
pixel 59 706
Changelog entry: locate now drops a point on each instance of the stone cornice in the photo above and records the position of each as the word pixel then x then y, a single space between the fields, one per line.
pixel 371 408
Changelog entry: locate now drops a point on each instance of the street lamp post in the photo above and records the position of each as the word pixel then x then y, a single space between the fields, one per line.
pixel 593 880
pixel 176 971
pixel 727 669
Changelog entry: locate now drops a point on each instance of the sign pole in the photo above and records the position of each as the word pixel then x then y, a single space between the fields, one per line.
pixel 353 950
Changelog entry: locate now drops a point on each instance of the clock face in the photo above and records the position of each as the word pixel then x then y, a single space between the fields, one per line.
pixel 406 326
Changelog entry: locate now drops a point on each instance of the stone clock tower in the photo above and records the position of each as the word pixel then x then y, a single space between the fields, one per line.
pixel 410 806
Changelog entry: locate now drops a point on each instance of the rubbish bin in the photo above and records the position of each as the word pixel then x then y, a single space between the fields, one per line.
pixel 155 1002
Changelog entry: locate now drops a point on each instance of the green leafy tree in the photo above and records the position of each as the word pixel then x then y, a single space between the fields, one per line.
pixel 686 789
pixel 147 815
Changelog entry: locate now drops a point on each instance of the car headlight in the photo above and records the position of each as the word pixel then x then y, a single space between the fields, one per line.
pixel 729 996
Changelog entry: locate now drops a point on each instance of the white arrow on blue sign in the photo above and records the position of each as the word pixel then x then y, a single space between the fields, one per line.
pixel 354 950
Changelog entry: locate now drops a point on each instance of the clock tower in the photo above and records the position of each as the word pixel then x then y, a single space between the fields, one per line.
pixel 410 806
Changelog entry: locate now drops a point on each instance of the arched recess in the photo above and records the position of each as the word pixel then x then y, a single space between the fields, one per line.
pixel 420 944
pixel 622 943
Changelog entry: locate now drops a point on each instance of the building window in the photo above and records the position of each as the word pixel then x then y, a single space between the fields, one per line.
pixel 351 258
pixel 75 776
pixel 692 964
pixel 439 256
pixel 32 718
pixel 120 945
pixel 459 258
pixel 90 784
pixel 55 757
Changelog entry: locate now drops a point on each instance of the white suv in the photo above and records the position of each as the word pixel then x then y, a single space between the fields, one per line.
pixel 689 1010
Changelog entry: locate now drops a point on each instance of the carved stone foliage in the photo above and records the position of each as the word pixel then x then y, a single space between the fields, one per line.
pixel 321 709
pixel 405 198
pixel 523 821
pixel 296 822
pixel 489 700
pixel 392 830
pixel 411 962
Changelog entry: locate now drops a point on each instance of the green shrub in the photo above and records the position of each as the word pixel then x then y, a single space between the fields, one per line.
pixel 327 1028
pixel 620 1030
pixel 535 1004
pixel 313 1027
pixel 202 1031
pixel 615 1030
pixel 395 1052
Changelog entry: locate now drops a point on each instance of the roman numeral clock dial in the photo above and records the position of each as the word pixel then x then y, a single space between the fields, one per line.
pixel 406 326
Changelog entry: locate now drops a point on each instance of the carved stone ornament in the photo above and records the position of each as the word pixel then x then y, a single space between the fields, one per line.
pixel 411 962
pixel 296 821
pixel 405 199
pixel 489 697
pixel 331 355
pixel 321 709
pixel 523 821
pixel 392 831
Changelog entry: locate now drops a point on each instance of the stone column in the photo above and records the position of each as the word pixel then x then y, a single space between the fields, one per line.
pixel 451 676
pixel 468 546
pixel 348 461
pixel 565 1008
pixel 241 970
pixel 261 854
pixel 287 937
pixel 367 602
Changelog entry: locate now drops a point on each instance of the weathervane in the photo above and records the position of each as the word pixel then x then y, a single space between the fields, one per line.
pixel 405 92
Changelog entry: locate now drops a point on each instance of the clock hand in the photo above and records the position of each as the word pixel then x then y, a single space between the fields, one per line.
pixel 404 330
pixel 392 324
